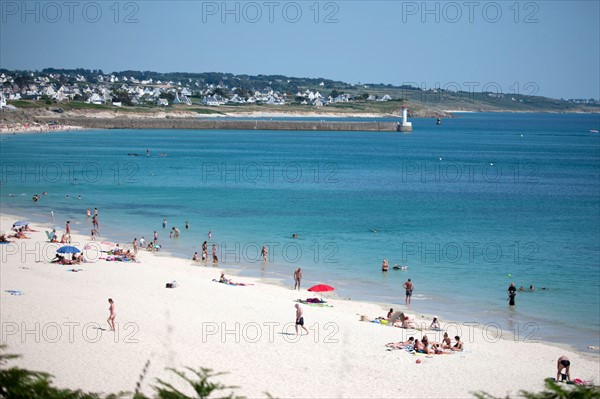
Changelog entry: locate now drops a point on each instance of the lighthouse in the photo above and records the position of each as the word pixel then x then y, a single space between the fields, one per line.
pixel 405 126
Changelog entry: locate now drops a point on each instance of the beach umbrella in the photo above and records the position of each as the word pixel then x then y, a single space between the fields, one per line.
pixel 321 288
pixel 68 249
pixel 20 223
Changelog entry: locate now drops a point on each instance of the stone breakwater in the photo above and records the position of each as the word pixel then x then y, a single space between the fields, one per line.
pixel 192 123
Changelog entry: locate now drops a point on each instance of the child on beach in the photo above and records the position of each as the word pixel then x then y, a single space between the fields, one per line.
pixel 435 324
pixel 112 316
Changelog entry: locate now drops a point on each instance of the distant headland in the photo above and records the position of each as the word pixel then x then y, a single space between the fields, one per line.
pixel 136 99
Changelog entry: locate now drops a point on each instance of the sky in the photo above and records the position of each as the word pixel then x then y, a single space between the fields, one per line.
pixel 549 48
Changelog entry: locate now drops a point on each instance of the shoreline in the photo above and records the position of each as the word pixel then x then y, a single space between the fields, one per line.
pixel 189 309
pixel 280 282
pixel 34 128
pixel 277 276
pixel 77 120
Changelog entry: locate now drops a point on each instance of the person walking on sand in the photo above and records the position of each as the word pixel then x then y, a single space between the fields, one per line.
pixel 135 245
pixel 297 279
pixel 512 293
pixel 264 252
pixel 409 287
pixel 563 363
pixel 113 314
pixel 300 319
pixel 68 228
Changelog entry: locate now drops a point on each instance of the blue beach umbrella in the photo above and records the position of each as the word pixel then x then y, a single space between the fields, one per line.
pixel 20 223
pixel 68 249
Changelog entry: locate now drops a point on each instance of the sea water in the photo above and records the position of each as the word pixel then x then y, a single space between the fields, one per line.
pixel 470 206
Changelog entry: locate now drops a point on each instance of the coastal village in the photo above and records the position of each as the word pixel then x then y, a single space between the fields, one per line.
pixel 152 89
pixel 120 91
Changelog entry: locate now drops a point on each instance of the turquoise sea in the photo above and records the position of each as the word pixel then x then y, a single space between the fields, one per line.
pixel 469 206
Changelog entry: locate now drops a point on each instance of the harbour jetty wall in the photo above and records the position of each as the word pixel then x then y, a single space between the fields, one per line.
pixel 220 124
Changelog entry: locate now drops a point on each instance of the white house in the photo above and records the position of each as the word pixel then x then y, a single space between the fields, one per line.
pixel 183 100
pixel 163 102
pixel 211 100
pixel 237 99
pixel 95 99
pixel 2 100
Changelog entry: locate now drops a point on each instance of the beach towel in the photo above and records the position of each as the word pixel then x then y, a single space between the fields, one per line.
pixel 15 292
pixel 317 304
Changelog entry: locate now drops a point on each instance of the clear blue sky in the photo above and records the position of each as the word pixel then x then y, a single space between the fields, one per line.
pixel 555 45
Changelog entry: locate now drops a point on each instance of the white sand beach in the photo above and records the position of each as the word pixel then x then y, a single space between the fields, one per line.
pixel 246 331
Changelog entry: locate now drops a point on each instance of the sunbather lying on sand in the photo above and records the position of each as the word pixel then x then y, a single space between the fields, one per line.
pixel 401 345
pixel 20 234
pixel 227 281
pixel 58 258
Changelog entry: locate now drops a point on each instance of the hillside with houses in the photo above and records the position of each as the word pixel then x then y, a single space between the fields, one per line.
pixel 94 89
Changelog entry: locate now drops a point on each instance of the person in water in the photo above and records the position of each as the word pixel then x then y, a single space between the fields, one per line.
pixel 385 265
pixel 512 293
pixel 409 287
pixel 264 252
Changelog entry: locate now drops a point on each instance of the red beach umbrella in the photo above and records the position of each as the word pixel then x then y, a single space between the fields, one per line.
pixel 321 288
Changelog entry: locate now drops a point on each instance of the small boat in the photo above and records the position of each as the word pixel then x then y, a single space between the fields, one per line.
pixel 396 267
pixel 593 131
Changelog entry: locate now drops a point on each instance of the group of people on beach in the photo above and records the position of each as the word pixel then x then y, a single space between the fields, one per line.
pixel 204 257
pixel 430 348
